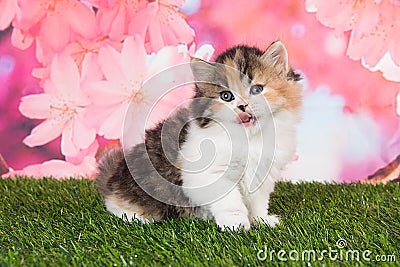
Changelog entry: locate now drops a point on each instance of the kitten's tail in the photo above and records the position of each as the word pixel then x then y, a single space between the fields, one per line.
pixel 107 168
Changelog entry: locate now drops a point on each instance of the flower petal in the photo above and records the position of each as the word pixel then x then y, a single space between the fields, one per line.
pixel 50 30
pixel 90 151
pixel 109 60
pixel 398 104
pixel 165 57
pixel 112 126
pixel 133 57
pixel 7 13
pixel 45 132
pixel 205 52
pixel 51 168
pixel 134 127
pixel 105 93
pixel 41 73
pixel 112 21
pixel 78 13
pixel 21 40
pixel 94 115
pixel 65 75
pixel 36 106
pixel 58 169
pixel 368 17
pixel 30 13
pixel 177 29
pixel 87 168
pixel 68 148
pixel 82 135
pixel 155 34
pixel 140 22
pixel 91 70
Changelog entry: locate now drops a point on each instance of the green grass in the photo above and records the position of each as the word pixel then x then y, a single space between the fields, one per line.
pixel 63 223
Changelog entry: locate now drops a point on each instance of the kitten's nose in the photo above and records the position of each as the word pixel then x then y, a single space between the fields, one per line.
pixel 242 106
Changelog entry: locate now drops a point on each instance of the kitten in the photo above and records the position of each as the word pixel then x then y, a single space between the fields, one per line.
pixel 218 158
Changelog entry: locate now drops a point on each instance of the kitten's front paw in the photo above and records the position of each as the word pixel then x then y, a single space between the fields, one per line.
pixel 232 221
pixel 271 220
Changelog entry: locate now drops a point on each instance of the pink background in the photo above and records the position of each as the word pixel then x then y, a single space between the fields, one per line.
pixel 350 126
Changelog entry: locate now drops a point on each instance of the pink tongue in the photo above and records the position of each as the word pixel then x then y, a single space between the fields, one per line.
pixel 244 117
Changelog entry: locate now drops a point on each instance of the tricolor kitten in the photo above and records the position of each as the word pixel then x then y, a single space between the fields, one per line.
pixel 222 155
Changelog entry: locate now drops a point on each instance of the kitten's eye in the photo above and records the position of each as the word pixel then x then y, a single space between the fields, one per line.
pixel 227 96
pixel 256 89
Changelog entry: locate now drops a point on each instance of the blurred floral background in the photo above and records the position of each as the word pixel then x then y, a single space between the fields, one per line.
pixel 59 60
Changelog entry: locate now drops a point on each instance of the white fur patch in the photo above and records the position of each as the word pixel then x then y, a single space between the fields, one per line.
pixel 230 170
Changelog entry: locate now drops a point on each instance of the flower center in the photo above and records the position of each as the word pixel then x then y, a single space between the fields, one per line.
pixel 62 111
pixel 52 5
pixel 357 3
pixel 137 97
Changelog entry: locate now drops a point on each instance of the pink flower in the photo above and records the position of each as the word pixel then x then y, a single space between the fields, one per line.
pixel 54 23
pixel 158 22
pixel 62 105
pixel 359 16
pixel 58 169
pixel 374 26
pixel 8 9
pixel 85 59
pixel 82 165
pixel 384 37
pixel 124 73
pixel 80 48
pixel 163 24
pixel 76 49
pixel 114 17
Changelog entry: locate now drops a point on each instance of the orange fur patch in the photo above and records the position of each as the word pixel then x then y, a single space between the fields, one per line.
pixel 288 91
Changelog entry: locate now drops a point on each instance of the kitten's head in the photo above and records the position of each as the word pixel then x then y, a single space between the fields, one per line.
pixel 245 85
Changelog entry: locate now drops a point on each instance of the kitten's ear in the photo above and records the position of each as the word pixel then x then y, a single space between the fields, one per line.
pixel 202 70
pixel 276 55
pixel 204 76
